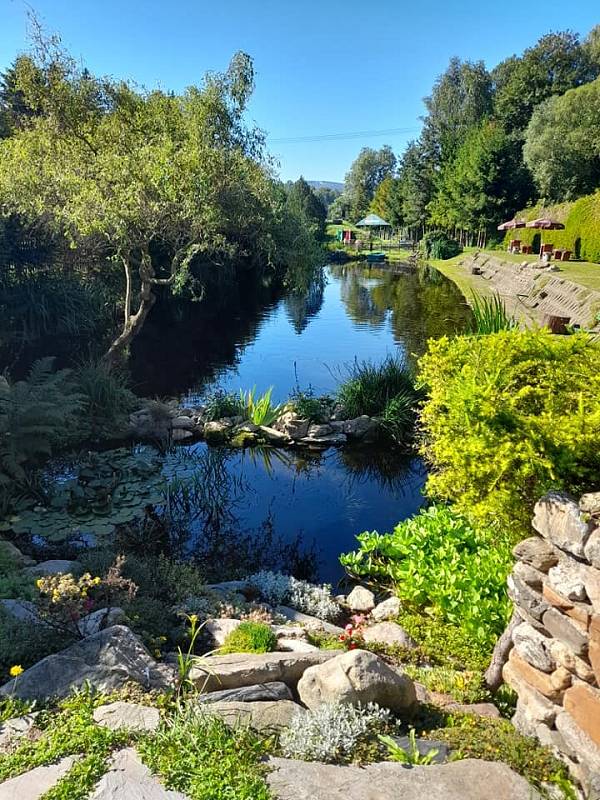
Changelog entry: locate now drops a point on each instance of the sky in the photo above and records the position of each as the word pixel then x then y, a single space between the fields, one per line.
pixel 323 68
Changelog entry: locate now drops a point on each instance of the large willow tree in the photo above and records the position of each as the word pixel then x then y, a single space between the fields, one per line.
pixel 151 179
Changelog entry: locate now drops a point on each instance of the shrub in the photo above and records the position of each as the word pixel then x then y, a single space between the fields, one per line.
pixel 510 416
pixel 276 588
pixel 370 387
pixel 437 244
pixel 333 732
pixel 250 637
pixel 223 404
pixel 438 564
pixel 259 409
pixel 106 399
pixel 490 315
pixel 307 406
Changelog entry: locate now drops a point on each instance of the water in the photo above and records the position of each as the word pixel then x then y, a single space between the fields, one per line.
pixel 350 312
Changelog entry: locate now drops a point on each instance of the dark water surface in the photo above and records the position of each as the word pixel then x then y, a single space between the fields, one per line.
pixel 349 312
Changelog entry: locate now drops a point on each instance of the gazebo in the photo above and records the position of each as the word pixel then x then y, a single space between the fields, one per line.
pixel 373 222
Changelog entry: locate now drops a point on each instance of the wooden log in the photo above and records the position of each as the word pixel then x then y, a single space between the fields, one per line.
pixel 493 674
pixel 555 323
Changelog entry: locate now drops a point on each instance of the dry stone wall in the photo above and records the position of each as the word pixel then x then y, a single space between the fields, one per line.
pixel 554 665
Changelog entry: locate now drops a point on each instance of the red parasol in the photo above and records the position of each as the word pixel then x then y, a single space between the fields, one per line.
pixel 511 225
pixel 546 224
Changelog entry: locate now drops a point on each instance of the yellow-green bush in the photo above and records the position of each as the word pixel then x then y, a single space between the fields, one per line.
pixel 582 226
pixel 509 416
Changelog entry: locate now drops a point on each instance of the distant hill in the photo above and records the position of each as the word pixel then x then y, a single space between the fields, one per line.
pixel 337 187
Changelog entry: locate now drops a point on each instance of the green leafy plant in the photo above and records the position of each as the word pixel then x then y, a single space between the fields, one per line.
pixel 508 417
pixel 186 660
pixel 440 565
pixel 307 406
pixel 437 244
pixel 411 756
pixel 106 398
pixel 250 637
pixel 259 409
pixel 370 387
pixel 222 404
pixel 490 315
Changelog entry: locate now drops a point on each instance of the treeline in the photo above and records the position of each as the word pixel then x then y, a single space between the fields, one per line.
pixel 112 196
pixel 491 142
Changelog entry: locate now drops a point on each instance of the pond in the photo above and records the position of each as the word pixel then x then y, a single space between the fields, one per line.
pixel 307 339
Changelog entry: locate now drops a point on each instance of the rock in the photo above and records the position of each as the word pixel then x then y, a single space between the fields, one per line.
pixel 529 575
pixel 592 548
pixel 362 427
pixel 591 582
pixel 488 710
pixel 262 715
pixel 567 659
pixel 533 704
pixel 566 630
pixel 533 647
pixel 536 552
pixel 292 425
pixel 129 779
pixel 295 646
pixel 275 690
pixel 567 578
pixel 182 423
pixel 361 600
pixel 241 587
pixel 56 567
pixel 524 597
pixel 357 677
pixel 590 503
pixel 389 633
pixel 274 436
pixel 107 660
pixel 331 440
pixel 583 704
pixel 388 609
pixel 558 518
pixel 289 631
pixel 15 555
pixel 311 623
pixel 220 629
pixel 248 669
pixel 579 612
pixel 469 779
pixel 218 429
pixel 35 783
pixel 23 610
pixel 128 716
pixel 101 619
pixel 551 685
pixel 320 431
pixel 180 435
pixel 13 729
pixel 578 744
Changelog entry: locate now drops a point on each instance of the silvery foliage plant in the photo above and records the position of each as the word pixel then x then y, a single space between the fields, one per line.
pixel 331 732
pixel 276 588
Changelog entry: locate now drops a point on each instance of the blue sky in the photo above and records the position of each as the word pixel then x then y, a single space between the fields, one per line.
pixel 325 67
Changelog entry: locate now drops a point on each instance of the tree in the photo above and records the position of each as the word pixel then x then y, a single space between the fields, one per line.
pixel 557 63
pixel 460 99
pixel 152 178
pixel 562 144
pixel 387 201
pixel 366 173
pixel 415 179
pixel 303 203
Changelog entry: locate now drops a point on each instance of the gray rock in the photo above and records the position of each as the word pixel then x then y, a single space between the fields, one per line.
pixel 180 435
pixel 219 629
pixel 567 578
pixel 565 630
pixel 285 645
pixel 469 779
pixel 248 669
pixel 389 633
pixel 129 779
pixel 16 556
pixel 361 599
pixel 361 428
pixel 592 548
pixel 534 647
pixel 128 716
pixel 274 436
pixel 35 783
pixel 357 677
pixel 218 429
pixel 106 660
pixel 527 598
pixel 56 567
pixel 529 575
pixel 590 503
pixel 311 623
pixel 101 619
pixel 320 431
pixel 262 715
pixel 229 586
pixel 565 657
pixel 591 582
pixel 23 610
pixel 182 423
pixel 292 425
pixel 388 609
pixel 276 690
pixel 331 440
pixel 536 552
pixel 13 729
pixel 578 743
pixel 558 518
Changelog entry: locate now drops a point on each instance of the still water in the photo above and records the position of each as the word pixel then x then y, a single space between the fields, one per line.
pixel 308 339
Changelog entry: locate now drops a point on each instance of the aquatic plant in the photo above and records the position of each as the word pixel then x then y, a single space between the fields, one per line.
pixel 106 398
pixel 369 387
pixel 259 409
pixel 222 404
pixel 490 315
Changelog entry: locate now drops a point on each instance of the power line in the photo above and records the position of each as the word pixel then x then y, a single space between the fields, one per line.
pixel 334 137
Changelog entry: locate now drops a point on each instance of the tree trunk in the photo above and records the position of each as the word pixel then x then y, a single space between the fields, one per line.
pixel 493 674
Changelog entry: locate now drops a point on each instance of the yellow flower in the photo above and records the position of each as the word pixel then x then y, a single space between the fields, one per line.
pixel 96 581
pixel 193 618
pixel 16 671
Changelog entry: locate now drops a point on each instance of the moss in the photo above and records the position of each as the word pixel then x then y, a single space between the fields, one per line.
pixel 250 637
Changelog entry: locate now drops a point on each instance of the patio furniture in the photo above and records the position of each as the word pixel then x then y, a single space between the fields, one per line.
pixel 546 249
pixel 514 246
pixel 527 249
pixel 566 256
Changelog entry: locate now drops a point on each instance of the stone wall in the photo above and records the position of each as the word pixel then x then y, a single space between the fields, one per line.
pixel 554 665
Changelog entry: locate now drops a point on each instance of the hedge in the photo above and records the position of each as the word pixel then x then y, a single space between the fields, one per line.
pixel 582 226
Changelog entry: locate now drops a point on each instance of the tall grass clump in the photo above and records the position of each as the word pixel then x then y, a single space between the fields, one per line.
pixel 106 398
pixel 490 315
pixel 258 408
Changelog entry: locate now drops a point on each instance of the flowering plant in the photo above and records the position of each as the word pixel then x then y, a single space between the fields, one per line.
pixel 352 636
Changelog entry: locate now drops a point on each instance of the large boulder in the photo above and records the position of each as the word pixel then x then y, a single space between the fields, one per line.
pixel 276 690
pixel 262 715
pixel 107 660
pixel 361 599
pixel 309 622
pixel 388 609
pixel 388 633
pixel 57 566
pixel 358 677
pixel 247 669
pixel 470 779
pixel 363 427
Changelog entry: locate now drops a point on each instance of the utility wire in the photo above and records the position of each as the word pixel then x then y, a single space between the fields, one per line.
pixel 335 137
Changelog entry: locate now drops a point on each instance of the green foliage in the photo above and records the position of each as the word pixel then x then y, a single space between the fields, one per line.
pixel 25 643
pixel 412 756
pixel 508 417
pixel 465 686
pixel 490 315
pixel 368 170
pixel 200 755
pixel 398 418
pixel 106 399
pixel 223 404
pixel 497 740
pixel 370 387
pixel 440 565
pixel 250 637
pixel 307 406
pixel 437 244
pixel 259 409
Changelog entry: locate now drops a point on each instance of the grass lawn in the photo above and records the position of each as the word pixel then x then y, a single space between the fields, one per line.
pixel 467 283
pixel 586 273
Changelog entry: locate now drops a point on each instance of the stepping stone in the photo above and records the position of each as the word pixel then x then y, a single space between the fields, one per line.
pixel 129 779
pixel 128 716
pixel 35 783
pixel 15 728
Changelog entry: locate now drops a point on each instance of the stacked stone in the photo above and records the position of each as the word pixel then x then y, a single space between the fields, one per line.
pixel 554 665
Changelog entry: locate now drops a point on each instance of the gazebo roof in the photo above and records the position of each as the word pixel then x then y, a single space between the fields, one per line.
pixel 373 221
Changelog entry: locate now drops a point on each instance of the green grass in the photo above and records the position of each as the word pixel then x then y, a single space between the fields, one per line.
pixel 370 387
pixel 249 637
